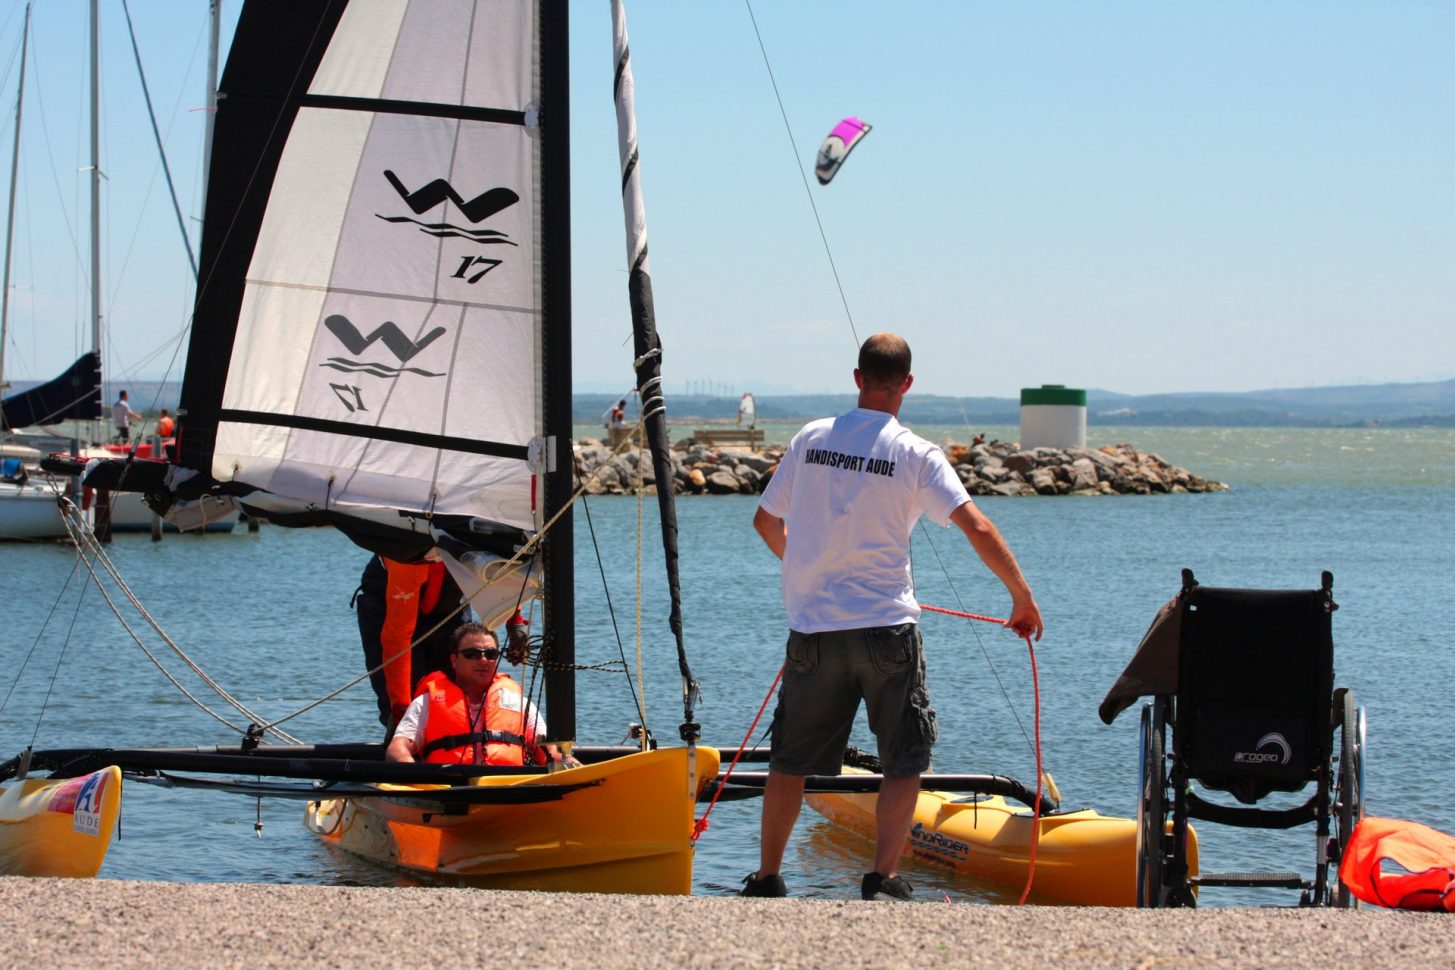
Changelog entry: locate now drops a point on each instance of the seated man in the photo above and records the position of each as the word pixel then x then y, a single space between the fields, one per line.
pixel 474 715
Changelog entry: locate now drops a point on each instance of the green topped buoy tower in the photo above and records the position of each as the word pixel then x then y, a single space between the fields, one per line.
pixel 1053 416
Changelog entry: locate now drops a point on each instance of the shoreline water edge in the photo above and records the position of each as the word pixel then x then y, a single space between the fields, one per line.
pixel 996 468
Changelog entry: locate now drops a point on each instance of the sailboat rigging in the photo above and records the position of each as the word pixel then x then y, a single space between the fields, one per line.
pixel 28 509
pixel 76 394
pixel 382 344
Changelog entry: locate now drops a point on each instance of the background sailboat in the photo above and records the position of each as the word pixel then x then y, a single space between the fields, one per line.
pixel 28 509
pixel 76 396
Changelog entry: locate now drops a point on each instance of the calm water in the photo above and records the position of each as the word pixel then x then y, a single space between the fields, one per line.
pixel 268 616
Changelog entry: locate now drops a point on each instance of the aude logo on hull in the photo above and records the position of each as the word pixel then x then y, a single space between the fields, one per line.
pixel 81 799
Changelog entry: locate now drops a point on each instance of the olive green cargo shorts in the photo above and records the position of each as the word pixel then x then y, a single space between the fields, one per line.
pixel 825 675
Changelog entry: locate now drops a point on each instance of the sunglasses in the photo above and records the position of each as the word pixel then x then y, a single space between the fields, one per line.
pixel 475 653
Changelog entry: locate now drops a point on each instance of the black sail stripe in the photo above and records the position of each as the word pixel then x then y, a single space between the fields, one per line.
pixel 399 435
pixel 629 171
pixel 621 68
pixel 431 109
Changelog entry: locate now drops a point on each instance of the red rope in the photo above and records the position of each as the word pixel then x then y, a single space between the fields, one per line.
pixel 700 825
pixel 1040 774
pixel 962 615
pixel 1036 811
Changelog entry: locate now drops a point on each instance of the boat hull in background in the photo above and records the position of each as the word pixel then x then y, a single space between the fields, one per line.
pixel 130 514
pixel 30 512
pixel 627 831
pixel 1083 857
pixel 59 827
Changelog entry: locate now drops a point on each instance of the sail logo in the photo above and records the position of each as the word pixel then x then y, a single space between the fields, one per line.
pixel 1282 754
pixel 396 341
pixel 476 209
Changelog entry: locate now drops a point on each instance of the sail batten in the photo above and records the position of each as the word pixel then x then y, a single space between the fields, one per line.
pixel 471 446
pixel 431 109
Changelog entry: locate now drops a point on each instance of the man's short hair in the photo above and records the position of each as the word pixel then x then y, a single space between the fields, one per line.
pixel 884 361
pixel 466 629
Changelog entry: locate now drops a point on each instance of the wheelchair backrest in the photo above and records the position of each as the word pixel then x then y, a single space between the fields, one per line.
pixel 1255 688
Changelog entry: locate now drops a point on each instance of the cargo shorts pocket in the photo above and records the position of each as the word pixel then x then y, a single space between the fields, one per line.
pixel 909 751
pixel 894 650
pixel 802 652
pixel 924 726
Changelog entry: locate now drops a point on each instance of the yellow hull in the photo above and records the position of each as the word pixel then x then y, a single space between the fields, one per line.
pixel 627 832
pixel 58 827
pixel 1082 858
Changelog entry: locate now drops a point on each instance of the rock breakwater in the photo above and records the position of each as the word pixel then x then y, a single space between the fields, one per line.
pixel 997 468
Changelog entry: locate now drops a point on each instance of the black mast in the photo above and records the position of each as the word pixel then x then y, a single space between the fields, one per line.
pixel 558 563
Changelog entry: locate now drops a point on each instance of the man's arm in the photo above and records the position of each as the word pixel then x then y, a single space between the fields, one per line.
pixel 400 749
pixel 1025 615
pixel 402 746
pixel 773 530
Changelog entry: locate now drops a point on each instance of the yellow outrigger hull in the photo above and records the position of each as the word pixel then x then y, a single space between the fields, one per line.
pixel 628 831
pixel 59 826
pixel 1083 857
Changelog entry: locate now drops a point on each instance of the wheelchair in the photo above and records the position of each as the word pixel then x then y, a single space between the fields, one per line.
pixel 1254 711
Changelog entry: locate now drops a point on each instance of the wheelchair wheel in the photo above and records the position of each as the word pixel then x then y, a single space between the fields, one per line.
pixel 1349 795
pixel 1152 805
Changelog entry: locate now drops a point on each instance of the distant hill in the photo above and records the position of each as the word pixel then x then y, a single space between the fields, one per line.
pixel 1430 404
pixel 1398 405
pixel 145 396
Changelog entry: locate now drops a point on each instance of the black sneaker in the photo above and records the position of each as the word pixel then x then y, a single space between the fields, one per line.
pixel 768 887
pixel 894 889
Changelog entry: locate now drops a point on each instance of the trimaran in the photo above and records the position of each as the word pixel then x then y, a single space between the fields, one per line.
pixel 381 344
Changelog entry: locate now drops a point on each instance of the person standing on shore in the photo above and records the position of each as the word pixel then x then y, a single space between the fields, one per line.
pixel 838 513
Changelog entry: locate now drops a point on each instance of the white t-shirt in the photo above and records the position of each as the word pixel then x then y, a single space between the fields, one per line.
pixel 852 489
pixel 416 715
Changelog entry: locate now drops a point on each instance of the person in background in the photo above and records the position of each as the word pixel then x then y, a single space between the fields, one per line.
pixel 616 425
pixel 838 513
pixel 472 714
pixel 166 427
pixel 121 416
pixel 398 602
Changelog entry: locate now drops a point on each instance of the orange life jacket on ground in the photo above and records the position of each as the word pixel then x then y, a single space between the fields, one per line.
pixel 1428 856
pixel 449 737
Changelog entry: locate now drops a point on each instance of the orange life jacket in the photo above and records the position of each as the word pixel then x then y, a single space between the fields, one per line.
pixel 1428 856
pixel 450 738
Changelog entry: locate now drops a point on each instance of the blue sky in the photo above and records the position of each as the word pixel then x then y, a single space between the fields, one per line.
pixel 1141 197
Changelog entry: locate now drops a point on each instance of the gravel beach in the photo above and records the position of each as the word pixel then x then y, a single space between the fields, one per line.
pixel 62 923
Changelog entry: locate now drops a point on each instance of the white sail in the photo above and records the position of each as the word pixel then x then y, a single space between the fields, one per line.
pixel 388 348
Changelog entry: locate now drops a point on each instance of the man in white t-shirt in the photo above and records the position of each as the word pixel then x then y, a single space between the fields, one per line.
pixel 122 415
pixel 839 512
